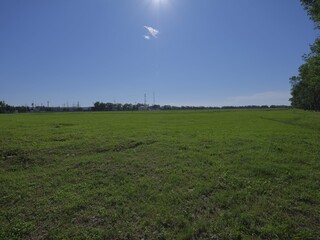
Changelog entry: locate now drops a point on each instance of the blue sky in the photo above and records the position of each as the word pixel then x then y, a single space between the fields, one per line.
pixel 207 52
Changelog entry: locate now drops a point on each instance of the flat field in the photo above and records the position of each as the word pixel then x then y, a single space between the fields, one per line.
pixel 160 175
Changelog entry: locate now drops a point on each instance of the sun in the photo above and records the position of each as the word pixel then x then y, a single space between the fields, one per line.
pixel 159 3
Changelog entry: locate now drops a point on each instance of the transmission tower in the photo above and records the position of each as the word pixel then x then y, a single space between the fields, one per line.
pixel 145 99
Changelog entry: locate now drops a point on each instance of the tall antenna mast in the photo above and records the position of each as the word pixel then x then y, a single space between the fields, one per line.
pixel 145 99
pixel 154 98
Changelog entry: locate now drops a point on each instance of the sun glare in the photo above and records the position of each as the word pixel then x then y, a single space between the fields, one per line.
pixel 159 3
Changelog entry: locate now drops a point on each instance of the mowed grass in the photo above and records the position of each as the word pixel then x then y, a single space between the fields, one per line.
pixel 160 175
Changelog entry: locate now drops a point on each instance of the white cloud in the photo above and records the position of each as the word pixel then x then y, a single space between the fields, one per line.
pixel 152 32
pixel 264 98
pixel 146 37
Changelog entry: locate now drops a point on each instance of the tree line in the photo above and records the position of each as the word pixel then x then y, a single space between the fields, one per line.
pixel 305 89
pixel 5 108
pixel 101 106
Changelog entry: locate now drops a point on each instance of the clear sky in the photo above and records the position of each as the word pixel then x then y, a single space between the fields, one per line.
pixel 189 52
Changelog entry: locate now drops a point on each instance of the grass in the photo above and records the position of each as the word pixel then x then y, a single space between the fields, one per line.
pixel 160 175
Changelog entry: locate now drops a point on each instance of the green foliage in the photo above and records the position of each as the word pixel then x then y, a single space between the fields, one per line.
pixel 160 175
pixel 313 9
pixel 2 107
pixel 5 108
pixel 306 86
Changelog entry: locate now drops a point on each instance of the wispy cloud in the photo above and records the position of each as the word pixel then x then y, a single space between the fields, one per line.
pixel 151 32
pixel 264 98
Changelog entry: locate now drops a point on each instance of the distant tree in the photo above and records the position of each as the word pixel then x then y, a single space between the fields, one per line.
pixel 166 107
pixel 109 107
pixel 99 106
pixel 155 107
pixel 305 89
pixel 22 109
pixel 118 107
pixel 127 107
pixel 95 106
pixel 2 107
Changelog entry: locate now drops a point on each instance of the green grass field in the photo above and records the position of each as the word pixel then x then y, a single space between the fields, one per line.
pixel 160 175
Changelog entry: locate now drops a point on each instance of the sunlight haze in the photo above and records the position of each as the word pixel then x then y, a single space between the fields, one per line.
pixel 188 52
